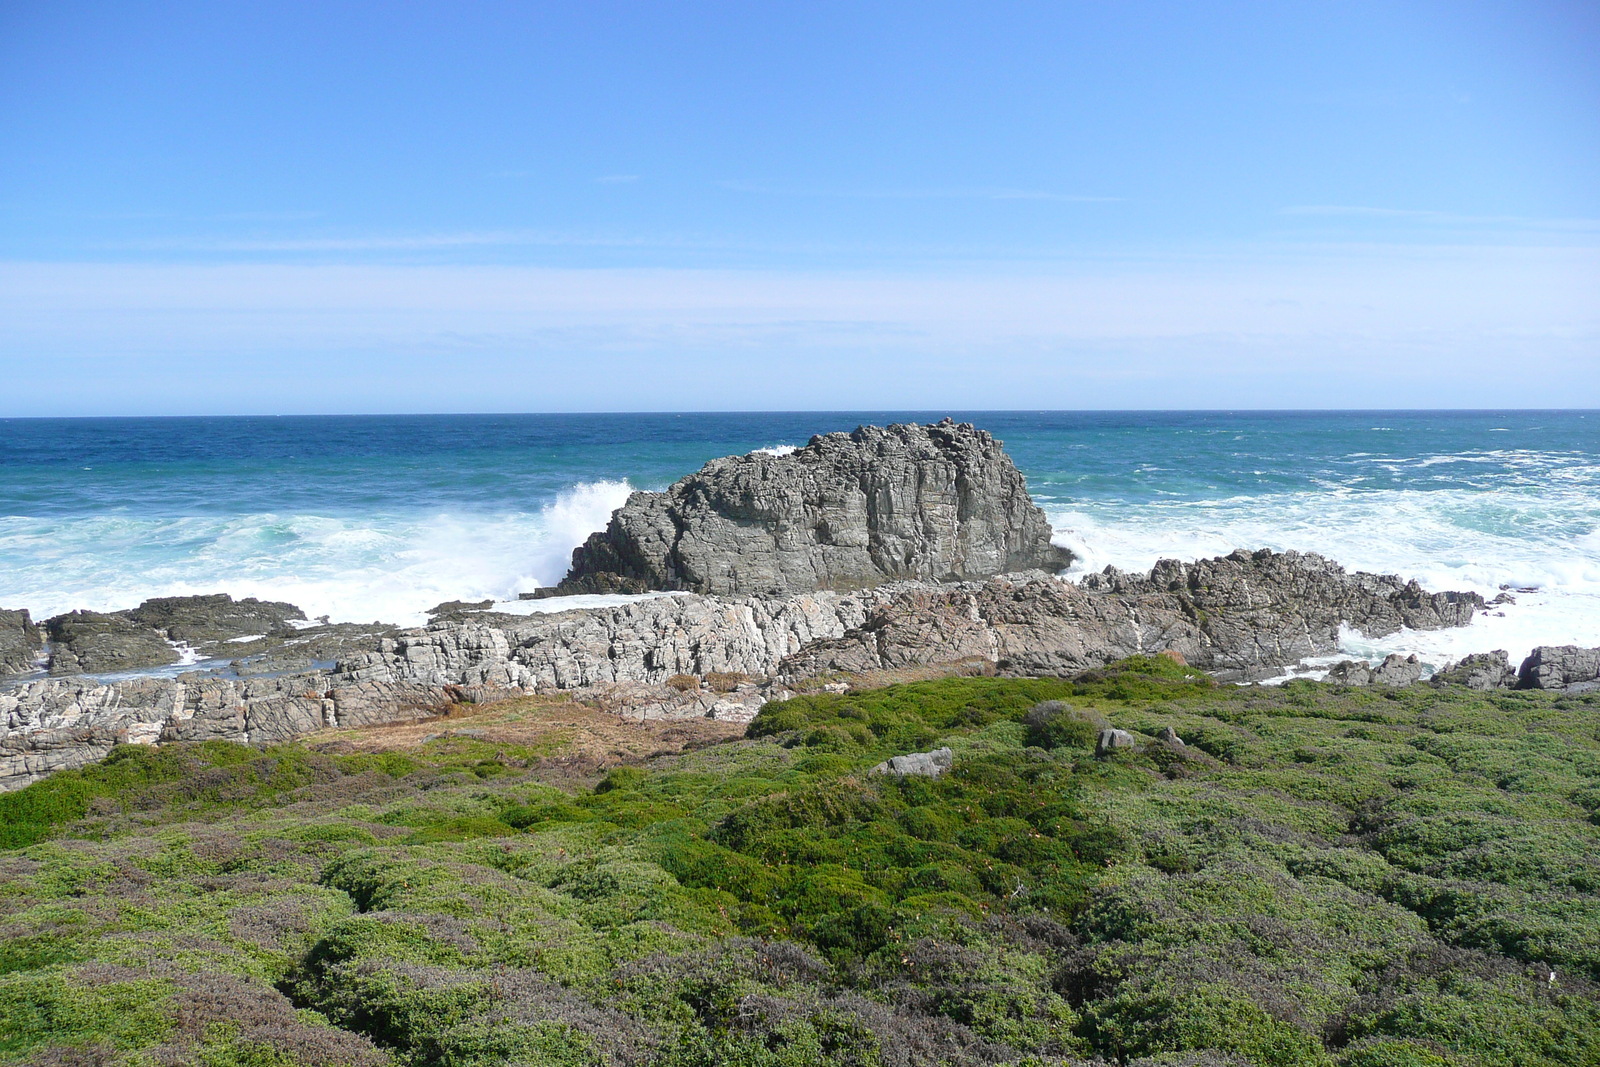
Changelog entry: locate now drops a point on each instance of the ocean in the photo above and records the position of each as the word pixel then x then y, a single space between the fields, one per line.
pixel 365 518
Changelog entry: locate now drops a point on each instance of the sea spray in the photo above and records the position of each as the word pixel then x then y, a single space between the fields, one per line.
pixel 384 567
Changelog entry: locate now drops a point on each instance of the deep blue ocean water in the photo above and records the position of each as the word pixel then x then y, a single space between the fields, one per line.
pixel 380 517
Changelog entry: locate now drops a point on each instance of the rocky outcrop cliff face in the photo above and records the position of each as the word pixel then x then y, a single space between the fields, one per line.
pixel 20 642
pixel 848 511
pixel 1242 613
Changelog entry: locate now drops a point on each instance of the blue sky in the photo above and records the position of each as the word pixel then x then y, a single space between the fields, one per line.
pixel 613 206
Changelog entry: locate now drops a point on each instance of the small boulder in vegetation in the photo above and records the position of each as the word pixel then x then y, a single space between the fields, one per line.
pixel 1113 741
pixel 926 764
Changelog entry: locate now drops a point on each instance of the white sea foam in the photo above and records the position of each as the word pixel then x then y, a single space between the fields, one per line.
pixel 776 450
pixel 551 605
pixel 1544 543
pixel 384 567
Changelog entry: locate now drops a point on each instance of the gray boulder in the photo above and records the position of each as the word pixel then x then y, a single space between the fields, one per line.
pixel 1114 741
pixel 1397 670
pixel 20 641
pixel 848 511
pixel 87 642
pixel 1481 670
pixel 924 764
pixel 1350 672
pixel 1559 667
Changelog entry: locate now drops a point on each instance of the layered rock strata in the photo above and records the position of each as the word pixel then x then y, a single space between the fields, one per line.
pixel 1254 611
pixel 848 511
pixel 1241 615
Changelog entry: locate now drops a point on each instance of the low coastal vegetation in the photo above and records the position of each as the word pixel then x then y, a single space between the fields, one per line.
pixel 1312 875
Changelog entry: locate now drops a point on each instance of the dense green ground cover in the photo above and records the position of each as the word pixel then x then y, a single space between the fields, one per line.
pixel 1322 876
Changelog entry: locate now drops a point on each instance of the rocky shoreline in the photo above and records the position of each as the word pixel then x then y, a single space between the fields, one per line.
pixel 877 551
pixel 1243 616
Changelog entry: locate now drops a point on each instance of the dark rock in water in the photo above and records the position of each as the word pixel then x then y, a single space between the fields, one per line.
pixel 200 620
pixel 87 642
pixel 1481 670
pixel 848 511
pixel 20 641
pixel 458 609
pixel 1559 667
pixel 601 582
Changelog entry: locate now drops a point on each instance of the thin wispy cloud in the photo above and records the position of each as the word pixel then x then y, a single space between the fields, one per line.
pixel 1175 328
pixel 616 179
pixel 382 243
pixel 922 194
pixel 1441 218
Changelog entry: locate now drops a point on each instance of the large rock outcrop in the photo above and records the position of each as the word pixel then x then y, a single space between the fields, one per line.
pixel 848 511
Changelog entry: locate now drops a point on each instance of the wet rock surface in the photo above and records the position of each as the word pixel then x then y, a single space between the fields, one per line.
pixel 88 642
pixel 848 511
pixel 20 641
pixel 199 621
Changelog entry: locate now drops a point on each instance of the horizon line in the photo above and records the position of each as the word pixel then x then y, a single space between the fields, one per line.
pixel 827 411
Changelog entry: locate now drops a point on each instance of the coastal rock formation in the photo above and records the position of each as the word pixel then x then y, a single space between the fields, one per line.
pixel 1560 667
pixel 1395 670
pixel 1233 615
pixel 20 642
pixel 88 642
pixel 941 502
pixel 205 620
pixel 1482 670
pixel 92 642
pixel 1260 611
pixel 1239 598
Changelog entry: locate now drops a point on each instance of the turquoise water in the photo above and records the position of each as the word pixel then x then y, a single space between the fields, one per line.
pixel 381 517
